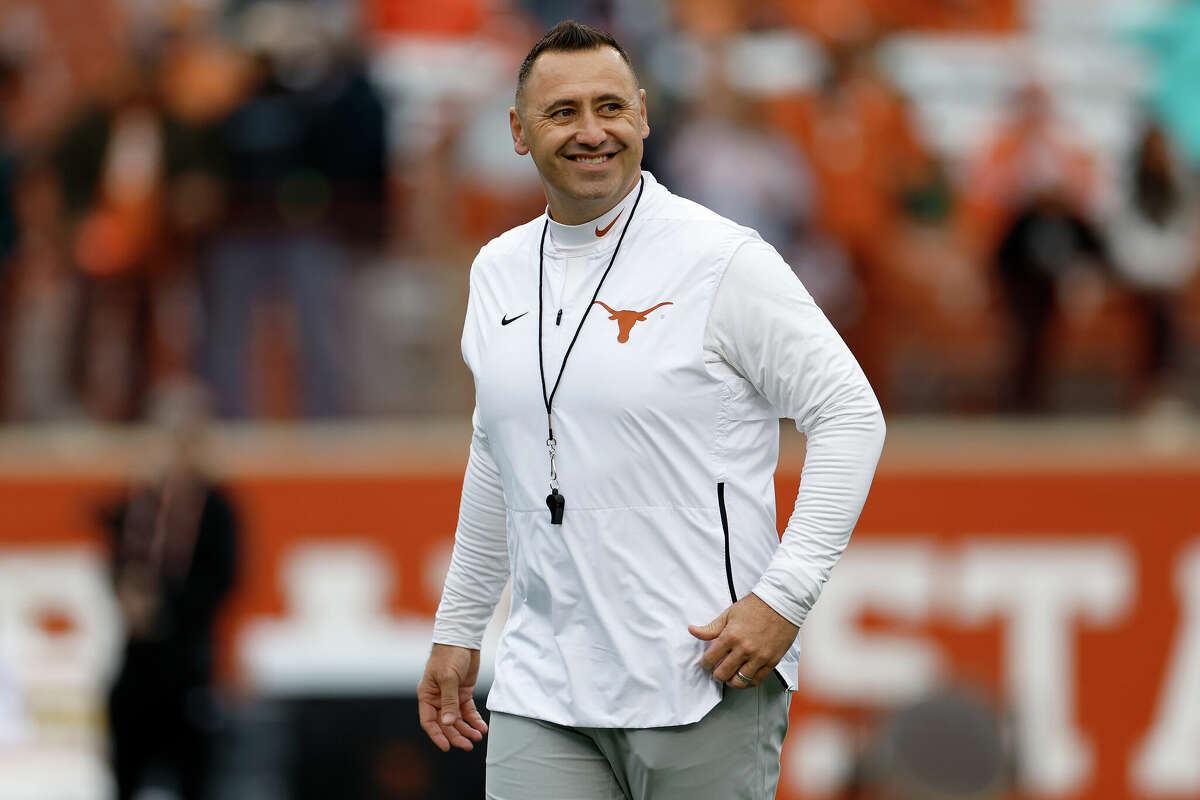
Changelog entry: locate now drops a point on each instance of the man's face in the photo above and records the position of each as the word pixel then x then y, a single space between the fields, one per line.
pixel 582 119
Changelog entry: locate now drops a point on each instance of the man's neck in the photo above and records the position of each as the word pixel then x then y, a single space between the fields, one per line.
pixel 576 212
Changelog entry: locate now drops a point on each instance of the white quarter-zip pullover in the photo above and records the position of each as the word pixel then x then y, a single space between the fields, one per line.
pixel 601 604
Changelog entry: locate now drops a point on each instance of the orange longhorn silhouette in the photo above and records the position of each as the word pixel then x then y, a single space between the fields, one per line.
pixel 627 319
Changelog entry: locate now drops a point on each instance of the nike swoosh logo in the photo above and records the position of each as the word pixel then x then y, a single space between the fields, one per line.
pixel 505 320
pixel 608 227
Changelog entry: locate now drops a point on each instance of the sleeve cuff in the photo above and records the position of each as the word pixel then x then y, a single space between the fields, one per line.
pixel 448 634
pixel 780 602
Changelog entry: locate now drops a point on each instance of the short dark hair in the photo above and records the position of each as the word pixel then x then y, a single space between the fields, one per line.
pixel 569 36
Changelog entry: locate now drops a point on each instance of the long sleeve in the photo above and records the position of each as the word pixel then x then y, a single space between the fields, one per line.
pixel 767 327
pixel 479 563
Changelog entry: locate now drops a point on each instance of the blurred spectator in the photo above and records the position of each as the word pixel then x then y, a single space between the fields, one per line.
pixel 119 164
pixel 858 131
pixel 1045 246
pixel 43 306
pixel 724 157
pixel 304 165
pixel 859 134
pixel 938 306
pixel 174 554
pixel 1028 154
pixel 1154 242
pixel 1027 208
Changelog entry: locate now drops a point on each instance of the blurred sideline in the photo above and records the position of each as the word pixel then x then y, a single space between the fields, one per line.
pixel 438 445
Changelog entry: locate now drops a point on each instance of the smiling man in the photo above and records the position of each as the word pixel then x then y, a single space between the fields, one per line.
pixel 632 354
pixel 582 118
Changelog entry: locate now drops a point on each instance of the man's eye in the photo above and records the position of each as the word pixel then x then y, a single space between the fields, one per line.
pixel 562 113
pixel 611 108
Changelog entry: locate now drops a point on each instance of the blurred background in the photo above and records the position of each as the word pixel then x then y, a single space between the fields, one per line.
pixel 234 245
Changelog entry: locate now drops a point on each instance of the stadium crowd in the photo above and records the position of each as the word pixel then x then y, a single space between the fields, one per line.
pixel 281 199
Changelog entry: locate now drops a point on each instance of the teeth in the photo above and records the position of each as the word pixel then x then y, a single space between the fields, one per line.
pixel 592 159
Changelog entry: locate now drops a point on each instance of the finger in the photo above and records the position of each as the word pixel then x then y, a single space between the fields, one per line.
pixel 472 716
pixel 713 655
pixel 729 665
pixel 448 685
pixel 466 730
pixel 752 670
pixel 427 712
pixel 456 739
pixel 434 732
pixel 712 630
pixel 763 673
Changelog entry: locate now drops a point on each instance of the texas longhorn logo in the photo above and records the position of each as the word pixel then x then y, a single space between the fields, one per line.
pixel 627 319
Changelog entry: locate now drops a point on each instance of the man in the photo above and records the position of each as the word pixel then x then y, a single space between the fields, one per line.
pixel 623 473
pixel 174 562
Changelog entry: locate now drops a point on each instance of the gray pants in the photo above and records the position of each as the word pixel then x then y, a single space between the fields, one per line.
pixel 730 754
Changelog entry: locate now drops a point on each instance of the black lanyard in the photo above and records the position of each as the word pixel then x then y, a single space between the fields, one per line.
pixel 555 501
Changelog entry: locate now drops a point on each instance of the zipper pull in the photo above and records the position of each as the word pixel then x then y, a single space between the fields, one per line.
pixel 559 320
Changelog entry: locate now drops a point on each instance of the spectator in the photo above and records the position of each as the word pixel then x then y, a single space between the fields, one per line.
pixel 1028 154
pixel 174 553
pixel 1153 237
pixel 120 165
pixel 725 158
pixel 860 138
pixel 1027 208
pixel 43 306
pixel 861 141
pixel 1047 241
pixel 304 165
pixel 110 168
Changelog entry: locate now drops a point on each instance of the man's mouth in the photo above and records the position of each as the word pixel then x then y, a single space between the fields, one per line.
pixel 598 158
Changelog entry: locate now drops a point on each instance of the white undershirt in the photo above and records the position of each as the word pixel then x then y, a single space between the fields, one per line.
pixel 766 327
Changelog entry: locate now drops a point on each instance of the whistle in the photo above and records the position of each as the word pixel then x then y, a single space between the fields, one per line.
pixel 556 503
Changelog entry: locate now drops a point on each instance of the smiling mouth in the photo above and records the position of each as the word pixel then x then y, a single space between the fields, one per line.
pixel 598 158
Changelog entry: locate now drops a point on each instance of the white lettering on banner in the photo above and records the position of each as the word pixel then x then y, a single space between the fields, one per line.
pixel 337 633
pixel 1168 761
pixel 59 640
pixel 820 757
pixel 58 619
pixel 841 662
pixel 1042 589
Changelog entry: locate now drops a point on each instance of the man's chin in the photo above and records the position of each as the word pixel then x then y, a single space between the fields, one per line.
pixel 600 187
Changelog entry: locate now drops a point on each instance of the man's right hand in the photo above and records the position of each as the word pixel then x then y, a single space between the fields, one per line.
pixel 444 698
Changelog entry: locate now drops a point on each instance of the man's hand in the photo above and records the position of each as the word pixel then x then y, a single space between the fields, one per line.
pixel 444 698
pixel 748 637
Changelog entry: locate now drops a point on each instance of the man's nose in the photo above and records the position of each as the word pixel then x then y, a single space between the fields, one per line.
pixel 590 132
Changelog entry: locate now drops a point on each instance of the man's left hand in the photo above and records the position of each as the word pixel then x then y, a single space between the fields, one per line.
pixel 748 637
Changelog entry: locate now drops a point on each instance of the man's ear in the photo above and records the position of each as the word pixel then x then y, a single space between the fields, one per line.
pixel 645 119
pixel 518 132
